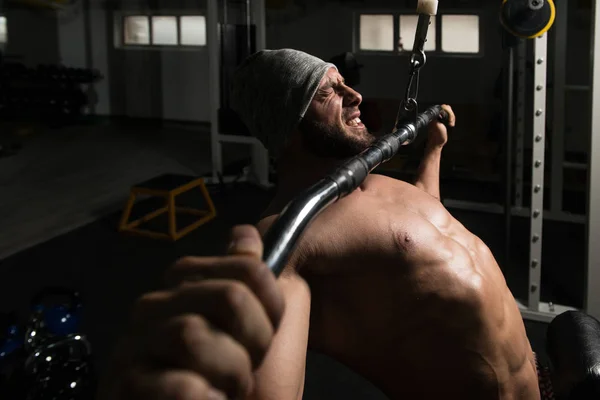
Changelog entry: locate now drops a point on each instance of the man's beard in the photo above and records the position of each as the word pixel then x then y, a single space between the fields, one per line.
pixel 333 141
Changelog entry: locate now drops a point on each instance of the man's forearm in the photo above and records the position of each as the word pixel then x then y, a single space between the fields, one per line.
pixel 428 176
pixel 281 375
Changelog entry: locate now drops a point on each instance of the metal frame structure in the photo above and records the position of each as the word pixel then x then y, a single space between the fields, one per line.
pixel 558 165
pixel 592 304
pixel 259 169
pixel 520 126
pixel 536 309
pixel 558 109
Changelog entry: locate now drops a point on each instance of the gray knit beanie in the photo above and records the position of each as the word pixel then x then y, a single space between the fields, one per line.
pixel 272 90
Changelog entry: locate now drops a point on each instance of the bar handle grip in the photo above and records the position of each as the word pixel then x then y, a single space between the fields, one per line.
pixel 444 117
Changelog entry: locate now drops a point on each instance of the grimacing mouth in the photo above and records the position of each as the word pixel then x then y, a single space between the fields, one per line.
pixel 353 121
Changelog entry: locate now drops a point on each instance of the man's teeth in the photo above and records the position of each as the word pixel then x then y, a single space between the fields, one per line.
pixel 354 122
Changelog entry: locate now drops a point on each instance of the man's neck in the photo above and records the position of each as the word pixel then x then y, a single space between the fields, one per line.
pixel 297 172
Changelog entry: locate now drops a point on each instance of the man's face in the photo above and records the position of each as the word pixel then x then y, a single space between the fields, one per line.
pixel 331 127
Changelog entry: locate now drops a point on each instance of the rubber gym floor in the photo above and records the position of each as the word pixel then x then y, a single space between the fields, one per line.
pixel 111 269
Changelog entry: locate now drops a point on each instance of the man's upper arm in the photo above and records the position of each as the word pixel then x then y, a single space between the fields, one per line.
pixel 281 375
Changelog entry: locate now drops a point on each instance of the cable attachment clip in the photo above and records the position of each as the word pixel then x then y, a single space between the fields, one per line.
pixel 409 107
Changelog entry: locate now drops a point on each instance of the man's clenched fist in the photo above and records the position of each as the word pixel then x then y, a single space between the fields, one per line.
pixel 203 337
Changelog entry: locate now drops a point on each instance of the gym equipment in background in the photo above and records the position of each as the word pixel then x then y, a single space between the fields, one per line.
pixel 527 105
pixel 58 363
pixel 283 235
pixel 50 94
pixel 573 346
pixel 168 187
pixel 238 41
pixel 527 19
pixel 11 357
pixel 234 29
pixel 48 358
pixel 60 311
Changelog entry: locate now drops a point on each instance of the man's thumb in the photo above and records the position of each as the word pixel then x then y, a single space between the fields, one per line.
pixel 245 240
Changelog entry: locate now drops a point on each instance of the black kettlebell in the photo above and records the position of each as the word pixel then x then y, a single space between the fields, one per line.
pixel 11 338
pixel 58 364
pixel 11 356
pixel 59 309
pixel 60 369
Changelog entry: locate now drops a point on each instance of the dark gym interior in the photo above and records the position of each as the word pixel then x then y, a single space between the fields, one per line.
pixel 93 105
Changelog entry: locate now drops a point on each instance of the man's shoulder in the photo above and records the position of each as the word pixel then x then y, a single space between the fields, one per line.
pixel 381 179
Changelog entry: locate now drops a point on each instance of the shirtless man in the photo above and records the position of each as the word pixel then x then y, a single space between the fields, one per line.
pixel 400 291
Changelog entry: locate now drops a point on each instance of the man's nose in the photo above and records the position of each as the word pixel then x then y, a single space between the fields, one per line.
pixel 352 98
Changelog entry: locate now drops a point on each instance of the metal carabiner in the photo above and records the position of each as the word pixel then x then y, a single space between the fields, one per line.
pixel 418 59
pixel 409 108
pixel 408 111
pixel 412 88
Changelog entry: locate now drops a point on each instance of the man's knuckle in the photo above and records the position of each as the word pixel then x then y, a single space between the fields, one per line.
pixel 257 273
pixel 191 331
pixel 238 376
pixel 182 388
pixel 263 342
pixel 237 296
pixel 184 263
pixel 146 301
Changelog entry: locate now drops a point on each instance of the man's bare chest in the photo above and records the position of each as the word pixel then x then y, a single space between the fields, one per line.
pixel 391 226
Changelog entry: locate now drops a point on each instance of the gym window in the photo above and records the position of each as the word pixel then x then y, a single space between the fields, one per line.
pixel 448 34
pixel 2 29
pixel 376 32
pixel 164 30
pixel 460 34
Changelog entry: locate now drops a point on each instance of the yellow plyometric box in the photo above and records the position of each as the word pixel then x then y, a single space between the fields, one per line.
pixel 167 187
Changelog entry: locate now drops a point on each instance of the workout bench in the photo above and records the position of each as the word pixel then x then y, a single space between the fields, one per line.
pixel 167 186
pixel 573 346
